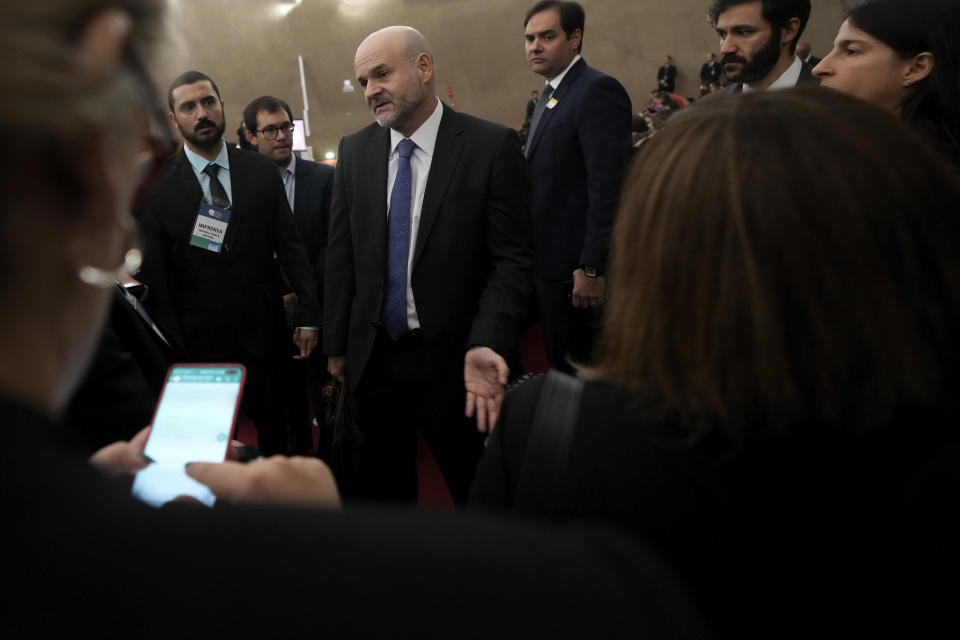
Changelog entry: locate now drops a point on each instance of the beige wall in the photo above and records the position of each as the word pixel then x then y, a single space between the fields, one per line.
pixel 250 48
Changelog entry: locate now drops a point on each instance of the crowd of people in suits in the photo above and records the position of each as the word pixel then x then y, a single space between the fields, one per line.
pixel 751 328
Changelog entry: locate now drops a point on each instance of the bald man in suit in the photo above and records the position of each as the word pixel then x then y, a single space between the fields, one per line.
pixel 428 269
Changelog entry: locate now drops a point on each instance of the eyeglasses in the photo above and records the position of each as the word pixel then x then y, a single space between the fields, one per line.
pixel 270 133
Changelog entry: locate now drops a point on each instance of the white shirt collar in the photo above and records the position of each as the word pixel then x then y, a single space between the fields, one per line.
pixel 555 81
pixel 787 80
pixel 199 163
pixel 425 137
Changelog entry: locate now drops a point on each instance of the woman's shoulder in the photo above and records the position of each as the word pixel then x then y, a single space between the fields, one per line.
pixel 596 397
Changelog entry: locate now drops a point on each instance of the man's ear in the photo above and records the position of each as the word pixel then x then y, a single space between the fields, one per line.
pixel 103 38
pixel 789 31
pixel 575 38
pixel 919 67
pixel 251 137
pixel 424 64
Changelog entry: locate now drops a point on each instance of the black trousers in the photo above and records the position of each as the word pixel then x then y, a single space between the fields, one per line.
pixel 265 398
pixel 409 387
pixel 569 332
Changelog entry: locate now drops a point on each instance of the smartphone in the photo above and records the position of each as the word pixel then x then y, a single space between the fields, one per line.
pixel 193 422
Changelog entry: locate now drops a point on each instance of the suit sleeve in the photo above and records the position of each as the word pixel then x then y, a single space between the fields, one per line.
pixel 510 247
pixel 339 280
pixel 604 135
pixel 292 254
pixel 155 272
pixel 320 266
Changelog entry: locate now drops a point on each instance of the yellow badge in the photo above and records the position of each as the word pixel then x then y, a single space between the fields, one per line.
pixel 552 103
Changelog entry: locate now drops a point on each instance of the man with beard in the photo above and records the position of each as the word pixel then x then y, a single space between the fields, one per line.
pixel 758 39
pixel 429 270
pixel 211 229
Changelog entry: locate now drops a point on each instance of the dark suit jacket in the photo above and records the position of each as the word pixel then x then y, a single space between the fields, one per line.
pixel 710 72
pixel 471 271
pixel 668 75
pixel 222 304
pixel 311 210
pixel 577 157
pixel 851 522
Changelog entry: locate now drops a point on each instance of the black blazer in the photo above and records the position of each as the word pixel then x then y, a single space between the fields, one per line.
pixel 577 157
pixel 471 271
pixel 223 304
pixel 786 532
pixel 668 75
pixel 311 210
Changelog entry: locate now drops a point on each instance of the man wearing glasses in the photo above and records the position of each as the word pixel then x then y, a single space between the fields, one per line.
pixel 269 128
pixel 210 229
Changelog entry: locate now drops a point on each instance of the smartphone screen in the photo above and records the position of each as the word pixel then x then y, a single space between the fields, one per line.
pixel 193 422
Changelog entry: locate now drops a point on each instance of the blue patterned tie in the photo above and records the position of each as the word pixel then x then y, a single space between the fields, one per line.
pixel 394 316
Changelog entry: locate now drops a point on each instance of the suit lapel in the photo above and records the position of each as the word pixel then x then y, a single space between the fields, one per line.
pixel 558 95
pixel 806 78
pixel 238 186
pixel 446 156
pixel 372 169
pixel 299 188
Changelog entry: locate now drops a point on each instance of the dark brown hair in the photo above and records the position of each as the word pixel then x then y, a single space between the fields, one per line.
pixel 783 259
pixel 572 16
pixel 777 13
pixel 270 104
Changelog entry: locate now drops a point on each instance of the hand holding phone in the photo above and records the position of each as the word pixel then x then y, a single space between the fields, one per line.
pixel 193 422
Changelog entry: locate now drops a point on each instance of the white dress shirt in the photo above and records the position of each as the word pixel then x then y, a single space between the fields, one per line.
pixel 426 139
pixel 289 175
pixel 199 163
pixel 787 80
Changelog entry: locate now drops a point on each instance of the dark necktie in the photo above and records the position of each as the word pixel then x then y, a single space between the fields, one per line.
pixel 217 193
pixel 394 317
pixel 538 113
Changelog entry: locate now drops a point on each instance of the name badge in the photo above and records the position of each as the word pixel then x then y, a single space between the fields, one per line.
pixel 552 103
pixel 210 227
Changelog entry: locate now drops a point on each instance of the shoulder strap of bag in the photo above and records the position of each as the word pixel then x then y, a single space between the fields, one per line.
pixel 546 457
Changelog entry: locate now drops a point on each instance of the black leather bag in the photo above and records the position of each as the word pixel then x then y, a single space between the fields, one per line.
pixel 340 438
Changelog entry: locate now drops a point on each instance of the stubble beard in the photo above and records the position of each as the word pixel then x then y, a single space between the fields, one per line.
pixel 206 143
pixel 757 68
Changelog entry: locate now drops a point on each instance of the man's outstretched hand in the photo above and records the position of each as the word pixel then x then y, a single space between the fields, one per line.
pixel 485 373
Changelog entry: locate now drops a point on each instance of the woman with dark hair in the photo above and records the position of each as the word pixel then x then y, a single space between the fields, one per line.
pixel 902 55
pixel 776 384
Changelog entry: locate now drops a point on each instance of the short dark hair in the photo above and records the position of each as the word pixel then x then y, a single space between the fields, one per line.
pixel 910 27
pixel 269 104
pixel 776 12
pixel 572 16
pixel 190 77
